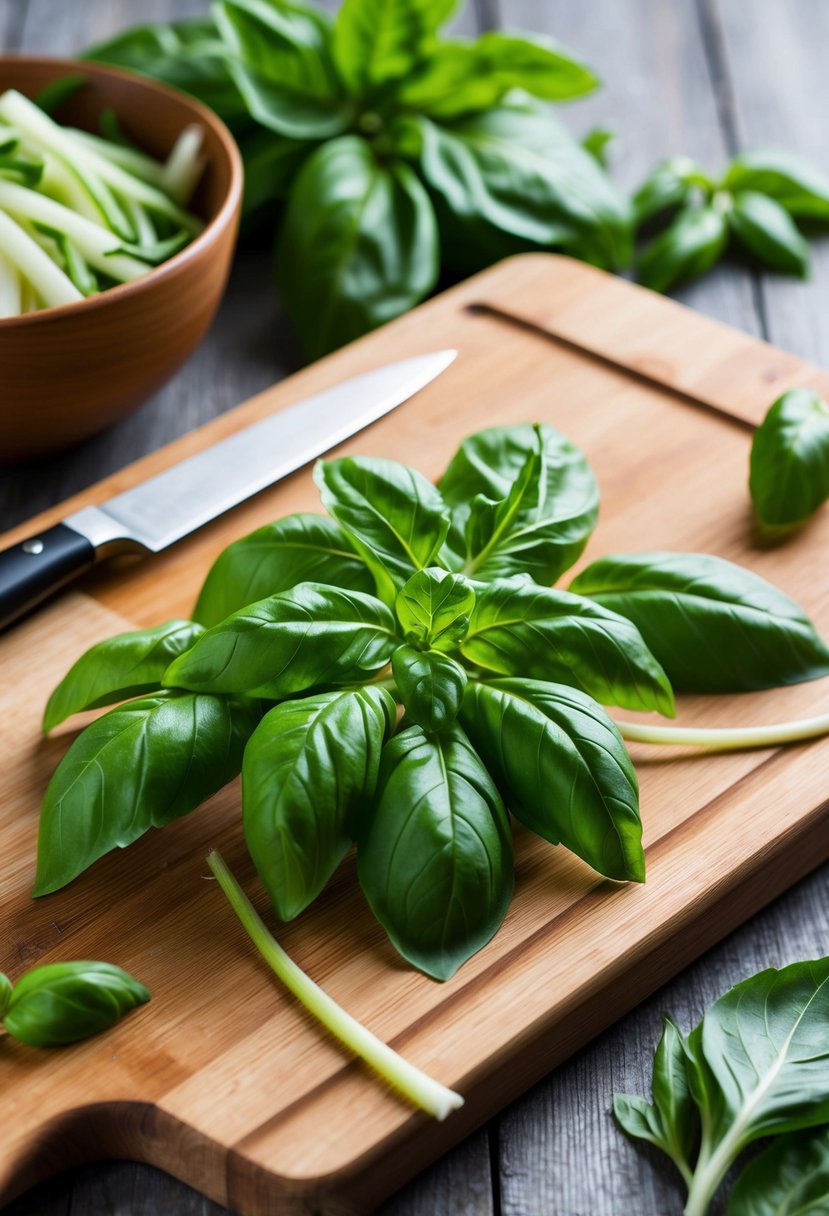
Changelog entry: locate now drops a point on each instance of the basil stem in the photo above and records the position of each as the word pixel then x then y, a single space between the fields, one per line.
pixel 415 1085
pixel 727 738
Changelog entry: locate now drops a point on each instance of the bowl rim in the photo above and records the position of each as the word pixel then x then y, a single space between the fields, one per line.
pixel 227 213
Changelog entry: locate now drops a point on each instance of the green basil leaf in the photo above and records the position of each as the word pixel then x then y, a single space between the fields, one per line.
pixel 672 1123
pixel 690 246
pixel 303 638
pixel 467 77
pixel 395 517
pixel 139 766
pixel 62 1003
pixel 358 244
pixel 376 41
pixel 598 141
pixel 511 180
pixel 562 768
pixel 295 549
pixel 759 1059
pixel 5 994
pixel 189 55
pixel 671 184
pixel 789 1178
pixel 789 468
pixel 524 499
pixel 282 66
pixel 271 163
pixel 119 668
pixel 435 862
pixel 431 686
pixel 784 176
pixel 433 608
pixel 309 770
pixel 713 626
pixel 767 230
pixel 519 629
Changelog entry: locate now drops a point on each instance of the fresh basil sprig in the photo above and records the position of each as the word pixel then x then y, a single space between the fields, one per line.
pixel 789 464
pixel 395 151
pixel 436 598
pixel 757 1065
pixel 754 204
pixel 62 1003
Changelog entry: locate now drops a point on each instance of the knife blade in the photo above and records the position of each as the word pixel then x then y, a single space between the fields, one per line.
pixel 165 508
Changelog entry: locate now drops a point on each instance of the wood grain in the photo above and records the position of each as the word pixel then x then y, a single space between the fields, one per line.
pixel 187 1092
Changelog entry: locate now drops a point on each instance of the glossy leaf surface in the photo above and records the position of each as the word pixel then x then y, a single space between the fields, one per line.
pixel 377 41
pixel 789 467
pixel 431 685
pixel 782 175
pixel 686 249
pixel 766 229
pixel 61 1003
pixel 434 606
pixel 789 1178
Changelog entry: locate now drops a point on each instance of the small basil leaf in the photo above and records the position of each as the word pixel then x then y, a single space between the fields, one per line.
pixel 431 686
pixel 433 607
pixel 767 230
pixel 519 629
pixel 5 994
pixel 789 1178
pixel 309 770
pixel 714 626
pixel 435 861
pixel 358 244
pixel 784 176
pixel 562 768
pixel 393 514
pixel 296 549
pixel 139 766
pixel 281 64
pixel 671 184
pixel 376 41
pixel 534 518
pixel 789 469
pixel 690 246
pixel 63 1003
pixel 303 638
pixel 119 668
pixel 672 1123
pixel 639 1119
pixel 598 142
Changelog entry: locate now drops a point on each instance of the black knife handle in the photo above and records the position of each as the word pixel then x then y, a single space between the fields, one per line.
pixel 33 569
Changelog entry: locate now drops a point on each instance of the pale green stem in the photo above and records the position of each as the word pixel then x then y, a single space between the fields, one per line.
pixel 727 738
pixel 415 1085
pixel 710 1170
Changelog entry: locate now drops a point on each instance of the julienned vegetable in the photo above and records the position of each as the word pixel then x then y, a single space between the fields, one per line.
pixel 310 633
pixel 61 1003
pixel 756 1066
pixel 79 213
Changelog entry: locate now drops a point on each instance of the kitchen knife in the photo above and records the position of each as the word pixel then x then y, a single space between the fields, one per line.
pixel 160 511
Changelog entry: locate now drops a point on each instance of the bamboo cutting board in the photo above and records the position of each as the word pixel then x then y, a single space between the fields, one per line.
pixel 222 1080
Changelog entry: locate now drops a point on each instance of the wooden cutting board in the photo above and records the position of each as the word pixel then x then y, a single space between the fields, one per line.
pixel 222 1080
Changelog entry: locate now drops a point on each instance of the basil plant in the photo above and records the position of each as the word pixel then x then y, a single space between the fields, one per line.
pixel 401 675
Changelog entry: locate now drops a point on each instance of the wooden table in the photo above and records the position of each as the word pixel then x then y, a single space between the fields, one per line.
pixel 702 77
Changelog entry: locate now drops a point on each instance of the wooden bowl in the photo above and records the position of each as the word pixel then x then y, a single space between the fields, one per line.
pixel 68 372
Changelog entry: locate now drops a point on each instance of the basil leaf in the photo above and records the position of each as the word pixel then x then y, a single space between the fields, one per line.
pixel 139 766
pixel 189 55
pixel 271 163
pixel 282 66
pixel 295 549
pixel 690 246
pixel 714 626
pixel 598 141
pixel 309 770
pixel 759 1064
pixel 376 41
pixel 783 176
pixel 395 517
pixel 119 668
pixel 62 1003
pixel 519 629
pixel 767 230
pixel 562 768
pixel 672 1123
pixel 431 686
pixel 511 180
pixel 358 244
pixel 5 994
pixel 465 77
pixel 525 501
pixel 671 184
pixel 789 1178
pixel 789 468
pixel 433 608
pixel 300 639
pixel 435 861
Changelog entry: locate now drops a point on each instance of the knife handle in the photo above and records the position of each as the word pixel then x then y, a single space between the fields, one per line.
pixel 31 570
